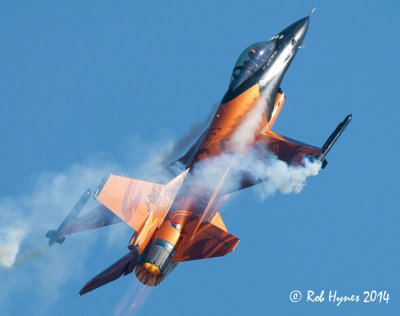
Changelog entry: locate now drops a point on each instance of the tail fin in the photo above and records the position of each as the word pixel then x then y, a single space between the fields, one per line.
pixel 124 266
pixel 134 200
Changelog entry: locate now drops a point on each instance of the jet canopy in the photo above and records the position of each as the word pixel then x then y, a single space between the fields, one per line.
pixel 251 60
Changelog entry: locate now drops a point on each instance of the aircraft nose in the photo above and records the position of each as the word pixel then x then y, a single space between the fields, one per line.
pixel 297 30
pixel 301 28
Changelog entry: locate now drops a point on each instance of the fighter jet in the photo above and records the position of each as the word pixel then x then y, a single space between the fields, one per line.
pixel 178 220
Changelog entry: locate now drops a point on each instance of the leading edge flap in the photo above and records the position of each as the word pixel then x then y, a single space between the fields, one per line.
pixel 134 200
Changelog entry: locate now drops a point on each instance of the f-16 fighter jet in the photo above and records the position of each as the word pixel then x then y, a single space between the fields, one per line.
pixel 178 220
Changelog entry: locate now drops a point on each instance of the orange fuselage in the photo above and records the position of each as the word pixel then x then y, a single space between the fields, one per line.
pixel 196 203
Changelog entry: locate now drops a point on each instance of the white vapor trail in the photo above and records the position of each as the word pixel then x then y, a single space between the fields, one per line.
pixel 176 147
pixel 53 197
pixel 247 160
pixel 10 240
pixel 245 133
pixel 261 166
pixel 26 261
pixel 24 220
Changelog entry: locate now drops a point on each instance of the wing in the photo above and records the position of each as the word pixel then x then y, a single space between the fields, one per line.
pixel 75 222
pixel 98 217
pixel 130 199
pixel 291 151
pixel 287 149
pixel 134 200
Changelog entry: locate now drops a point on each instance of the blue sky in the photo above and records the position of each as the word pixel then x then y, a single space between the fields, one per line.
pixel 92 87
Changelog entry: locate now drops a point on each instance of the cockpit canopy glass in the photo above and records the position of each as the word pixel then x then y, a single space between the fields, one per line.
pixel 251 60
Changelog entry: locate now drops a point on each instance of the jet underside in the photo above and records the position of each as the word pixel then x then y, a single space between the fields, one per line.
pixel 179 220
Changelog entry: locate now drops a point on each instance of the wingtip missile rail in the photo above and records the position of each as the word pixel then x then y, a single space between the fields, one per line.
pixel 57 236
pixel 332 139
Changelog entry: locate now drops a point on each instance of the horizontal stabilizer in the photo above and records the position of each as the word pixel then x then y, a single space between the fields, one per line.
pixel 210 241
pixel 217 221
pixel 123 266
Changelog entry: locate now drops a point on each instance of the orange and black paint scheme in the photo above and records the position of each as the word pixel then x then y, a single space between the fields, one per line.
pixel 179 220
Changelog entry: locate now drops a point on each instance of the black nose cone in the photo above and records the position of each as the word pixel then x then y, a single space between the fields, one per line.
pixel 297 30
